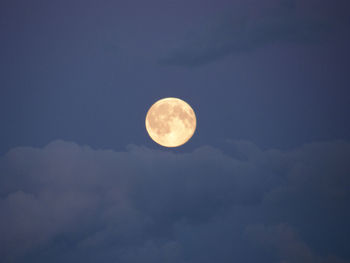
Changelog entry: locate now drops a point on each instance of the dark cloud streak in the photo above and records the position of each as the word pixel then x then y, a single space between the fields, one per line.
pixel 247 31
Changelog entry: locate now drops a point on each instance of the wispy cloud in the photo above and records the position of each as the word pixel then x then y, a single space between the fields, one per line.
pixel 245 32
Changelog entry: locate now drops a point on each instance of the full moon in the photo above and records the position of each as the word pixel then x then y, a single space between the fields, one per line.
pixel 170 122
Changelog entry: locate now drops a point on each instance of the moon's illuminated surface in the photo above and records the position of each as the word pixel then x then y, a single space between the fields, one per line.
pixel 170 122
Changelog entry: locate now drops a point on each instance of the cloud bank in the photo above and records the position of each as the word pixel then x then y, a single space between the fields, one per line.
pixel 71 203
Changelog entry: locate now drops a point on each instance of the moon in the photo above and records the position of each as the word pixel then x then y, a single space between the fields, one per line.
pixel 171 122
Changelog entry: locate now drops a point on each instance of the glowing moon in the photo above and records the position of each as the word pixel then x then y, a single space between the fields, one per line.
pixel 170 122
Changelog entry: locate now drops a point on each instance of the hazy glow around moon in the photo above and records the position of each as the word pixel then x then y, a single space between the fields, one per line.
pixel 170 122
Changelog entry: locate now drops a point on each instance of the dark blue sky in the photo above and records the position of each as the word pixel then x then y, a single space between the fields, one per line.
pixel 265 177
pixel 273 73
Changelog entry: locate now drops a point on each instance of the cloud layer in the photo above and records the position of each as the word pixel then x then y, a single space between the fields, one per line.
pixel 71 203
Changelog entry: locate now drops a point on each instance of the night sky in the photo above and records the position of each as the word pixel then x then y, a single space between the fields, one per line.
pixel 264 179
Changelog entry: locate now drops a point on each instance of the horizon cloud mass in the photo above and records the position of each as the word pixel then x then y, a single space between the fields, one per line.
pixel 67 202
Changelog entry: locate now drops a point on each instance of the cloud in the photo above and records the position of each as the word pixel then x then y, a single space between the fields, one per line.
pixel 250 28
pixel 285 243
pixel 67 202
